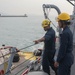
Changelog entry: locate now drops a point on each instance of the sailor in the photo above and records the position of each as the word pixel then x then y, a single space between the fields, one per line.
pixel 49 47
pixel 65 57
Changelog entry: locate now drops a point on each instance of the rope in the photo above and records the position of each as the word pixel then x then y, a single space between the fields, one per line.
pixel 19 65
pixel 53 23
pixel 18 50
pixel 22 68
pixel 27 47
pixel 27 66
pixel 7 54
pixel 46 16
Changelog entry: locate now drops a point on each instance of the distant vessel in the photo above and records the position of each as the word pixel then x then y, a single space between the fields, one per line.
pixel 25 15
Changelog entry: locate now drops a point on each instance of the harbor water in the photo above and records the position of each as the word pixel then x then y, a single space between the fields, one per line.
pixel 21 31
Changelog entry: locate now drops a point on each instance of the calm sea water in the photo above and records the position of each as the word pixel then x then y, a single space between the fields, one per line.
pixel 20 31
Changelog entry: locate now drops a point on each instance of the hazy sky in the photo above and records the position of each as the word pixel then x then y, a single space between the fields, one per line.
pixel 32 6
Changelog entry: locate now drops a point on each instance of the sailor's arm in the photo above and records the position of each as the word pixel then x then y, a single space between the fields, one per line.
pixel 39 40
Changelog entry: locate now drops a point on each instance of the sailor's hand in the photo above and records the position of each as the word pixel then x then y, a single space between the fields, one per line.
pixel 36 41
pixel 56 64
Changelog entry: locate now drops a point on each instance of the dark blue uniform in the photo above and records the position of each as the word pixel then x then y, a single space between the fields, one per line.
pixel 65 56
pixel 49 51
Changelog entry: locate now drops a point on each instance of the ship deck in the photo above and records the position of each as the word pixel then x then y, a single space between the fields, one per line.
pixel 21 68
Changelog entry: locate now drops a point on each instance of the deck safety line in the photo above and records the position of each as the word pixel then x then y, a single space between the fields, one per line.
pixel 52 23
pixel 21 69
pixel 25 67
pixel 27 47
pixel 20 64
pixel 18 50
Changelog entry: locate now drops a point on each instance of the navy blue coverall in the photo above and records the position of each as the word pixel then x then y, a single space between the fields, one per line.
pixel 65 57
pixel 49 51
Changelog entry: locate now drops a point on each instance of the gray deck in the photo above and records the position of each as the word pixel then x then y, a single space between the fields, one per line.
pixel 19 68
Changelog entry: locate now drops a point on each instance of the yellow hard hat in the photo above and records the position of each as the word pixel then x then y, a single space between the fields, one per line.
pixel 45 23
pixel 63 16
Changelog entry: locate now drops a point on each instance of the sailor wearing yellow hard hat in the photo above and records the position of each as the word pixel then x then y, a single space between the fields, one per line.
pixel 65 57
pixel 46 24
pixel 49 47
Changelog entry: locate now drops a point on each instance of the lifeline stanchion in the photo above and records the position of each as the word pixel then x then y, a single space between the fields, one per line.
pixel 10 61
